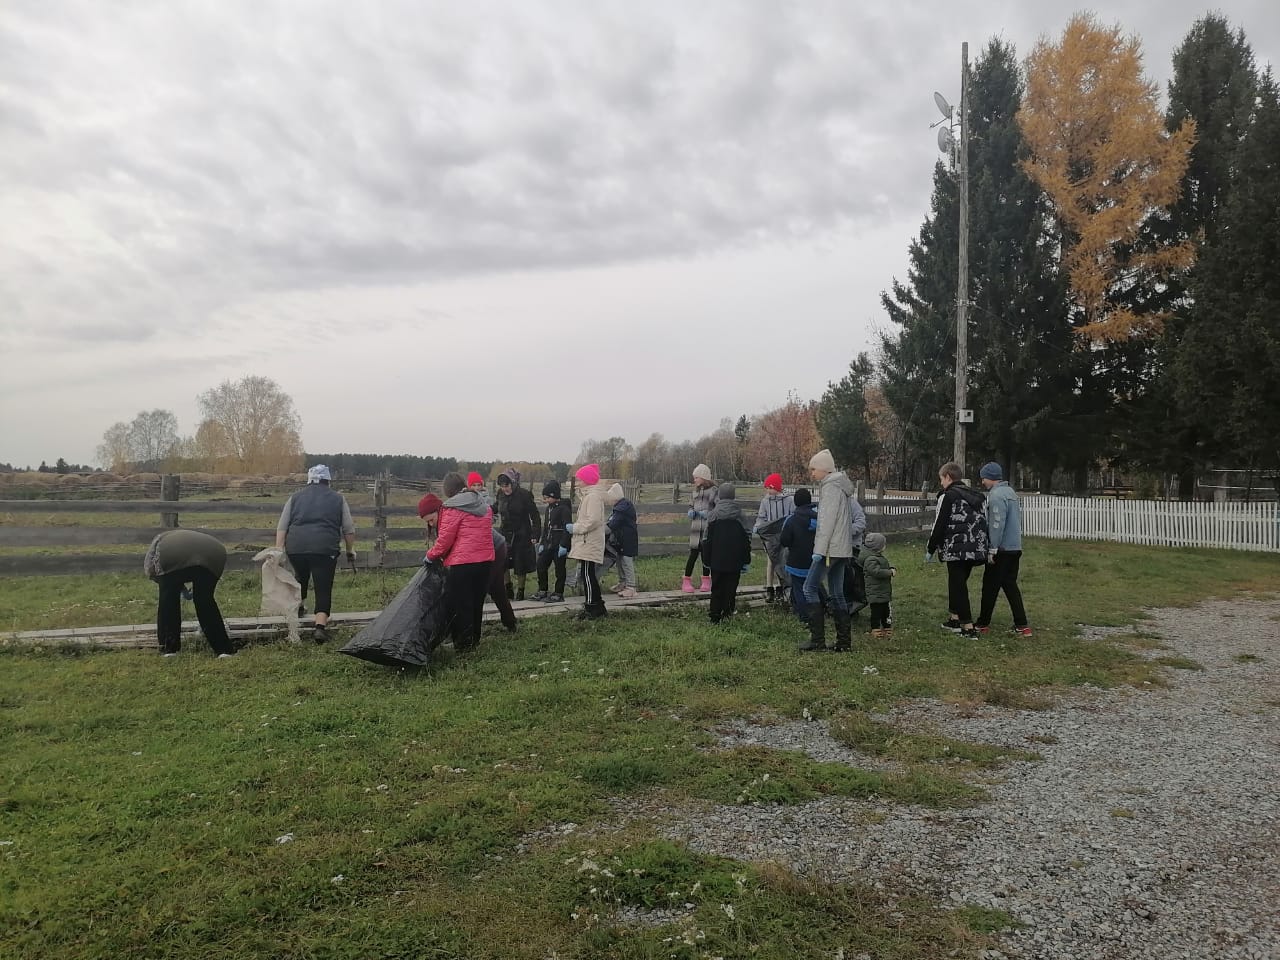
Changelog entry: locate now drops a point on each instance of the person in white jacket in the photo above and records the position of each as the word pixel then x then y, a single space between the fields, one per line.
pixel 832 550
pixel 587 546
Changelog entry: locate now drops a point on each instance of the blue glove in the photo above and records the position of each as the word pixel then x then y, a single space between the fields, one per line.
pixel 538 549
pixel 562 552
pixel 928 556
pixel 186 594
pixel 746 568
pixel 817 560
pixel 692 513
pixel 568 528
pixel 813 523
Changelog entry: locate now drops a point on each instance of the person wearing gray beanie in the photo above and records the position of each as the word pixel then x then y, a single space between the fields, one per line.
pixel 1004 527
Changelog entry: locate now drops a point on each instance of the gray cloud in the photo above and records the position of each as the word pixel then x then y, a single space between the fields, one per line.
pixel 202 176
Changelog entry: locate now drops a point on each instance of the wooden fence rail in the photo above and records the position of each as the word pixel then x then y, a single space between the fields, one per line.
pixel 664 530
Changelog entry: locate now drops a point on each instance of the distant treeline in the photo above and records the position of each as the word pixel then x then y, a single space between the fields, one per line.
pixel 413 467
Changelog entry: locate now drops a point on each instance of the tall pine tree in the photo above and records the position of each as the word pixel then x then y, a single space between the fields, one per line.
pixel 1228 365
pixel 1214 84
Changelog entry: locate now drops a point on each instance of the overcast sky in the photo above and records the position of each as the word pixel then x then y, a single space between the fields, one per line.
pixel 472 229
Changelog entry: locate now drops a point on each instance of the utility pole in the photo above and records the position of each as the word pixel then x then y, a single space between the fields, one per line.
pixel 963 416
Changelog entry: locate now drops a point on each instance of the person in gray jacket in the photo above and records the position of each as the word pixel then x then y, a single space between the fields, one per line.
pixel 1004 530
pixel 311 525
pixel 174 559
pixel 832 550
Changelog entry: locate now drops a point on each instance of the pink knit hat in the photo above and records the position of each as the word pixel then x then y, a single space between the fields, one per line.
pixel 590 474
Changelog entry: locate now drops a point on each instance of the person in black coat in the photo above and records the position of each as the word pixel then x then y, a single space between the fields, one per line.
pixel 960 537
pixel 727 551
pixel 520 524
pixel 553 548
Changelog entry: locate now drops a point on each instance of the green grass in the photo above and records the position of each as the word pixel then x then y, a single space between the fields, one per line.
pixel 141 799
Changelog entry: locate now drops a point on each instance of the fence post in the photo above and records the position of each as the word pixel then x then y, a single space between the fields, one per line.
pixel 381 490
pixel 675 491
pixel 170 489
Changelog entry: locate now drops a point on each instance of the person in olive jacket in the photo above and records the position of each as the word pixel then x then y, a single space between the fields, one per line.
pixel 174 559
pixel 879 579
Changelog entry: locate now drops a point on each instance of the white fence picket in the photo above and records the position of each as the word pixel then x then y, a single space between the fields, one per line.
pixel 1231 526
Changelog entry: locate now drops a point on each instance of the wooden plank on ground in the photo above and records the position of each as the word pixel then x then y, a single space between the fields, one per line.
pixel 142 635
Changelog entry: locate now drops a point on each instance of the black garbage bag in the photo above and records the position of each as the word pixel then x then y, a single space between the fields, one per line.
pixel 409 627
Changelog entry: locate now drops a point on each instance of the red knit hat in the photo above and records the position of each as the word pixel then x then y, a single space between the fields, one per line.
pixel 473 478
pixel 773 482
pixel 429 504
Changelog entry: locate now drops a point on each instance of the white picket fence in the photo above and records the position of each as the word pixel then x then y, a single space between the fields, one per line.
pixel 1231 526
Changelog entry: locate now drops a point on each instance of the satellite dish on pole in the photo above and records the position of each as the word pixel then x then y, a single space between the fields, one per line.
pixel 946 142
pixel 943 107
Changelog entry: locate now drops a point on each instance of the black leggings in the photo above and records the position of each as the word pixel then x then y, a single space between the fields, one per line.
pixel 320 568
pixel 693 556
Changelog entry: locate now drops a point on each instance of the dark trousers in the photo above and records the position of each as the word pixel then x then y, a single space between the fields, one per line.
pixel 545 560
pixel 321 569
pixel 589 576
pixel 465 586
pixel 1002 574
pixel 880 616
pixel 958 589
pixel 724 593
pixel 498 589
pixel 169 610
pixel 693 559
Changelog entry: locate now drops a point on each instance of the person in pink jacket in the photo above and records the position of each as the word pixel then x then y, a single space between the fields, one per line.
pixel 465 546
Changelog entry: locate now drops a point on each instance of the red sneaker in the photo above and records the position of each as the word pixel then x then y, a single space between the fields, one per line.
pixel 1021 631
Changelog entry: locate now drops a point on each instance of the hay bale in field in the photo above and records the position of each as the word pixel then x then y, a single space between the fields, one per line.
pixel 143 478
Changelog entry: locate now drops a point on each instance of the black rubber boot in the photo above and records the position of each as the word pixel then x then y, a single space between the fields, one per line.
pixel 817 628
pixel 768 594
pixel 844 621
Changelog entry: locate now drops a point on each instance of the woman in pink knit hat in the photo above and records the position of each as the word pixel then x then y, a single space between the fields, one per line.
pixel 588 530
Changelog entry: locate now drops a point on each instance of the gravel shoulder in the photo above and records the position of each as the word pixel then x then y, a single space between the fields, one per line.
pixel 1151 828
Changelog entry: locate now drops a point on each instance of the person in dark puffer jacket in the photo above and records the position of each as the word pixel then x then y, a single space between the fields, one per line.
pixel 625 533
pixel 960 537
pixel 311 525
pixel 521 525
pixel 553 548
pixel 727 551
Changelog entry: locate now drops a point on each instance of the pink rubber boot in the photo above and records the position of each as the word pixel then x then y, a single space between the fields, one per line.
pixel 686 585
pixel 704 584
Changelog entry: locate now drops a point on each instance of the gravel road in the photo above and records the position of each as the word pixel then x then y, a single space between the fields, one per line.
pixel 1150 829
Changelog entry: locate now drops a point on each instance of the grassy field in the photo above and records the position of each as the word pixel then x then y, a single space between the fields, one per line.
pixel 293 803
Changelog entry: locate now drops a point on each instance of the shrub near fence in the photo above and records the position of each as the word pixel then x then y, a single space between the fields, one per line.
pixel 1230 526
